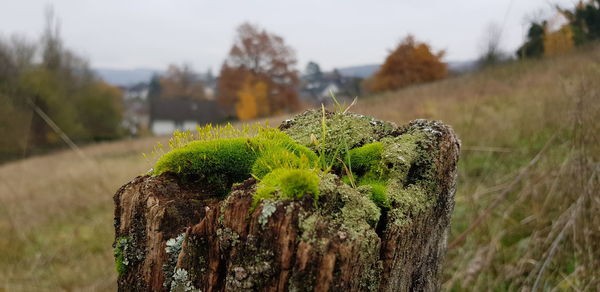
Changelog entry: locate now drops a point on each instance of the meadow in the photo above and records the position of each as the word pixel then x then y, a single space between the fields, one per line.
pixel 527 204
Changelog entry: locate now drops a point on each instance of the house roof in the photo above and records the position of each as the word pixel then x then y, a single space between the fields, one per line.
pixel 185 109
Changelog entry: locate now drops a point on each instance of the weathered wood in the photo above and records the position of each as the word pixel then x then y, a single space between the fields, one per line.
pixel 175 236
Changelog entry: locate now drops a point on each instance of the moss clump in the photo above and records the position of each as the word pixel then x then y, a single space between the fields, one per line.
pixel 378 192
pixel 368 170
pixel 274 158
pixel 365 158
pixel 221 162
pixel 286 183
pixel 372 155
pixel 269 138
pixel 218 163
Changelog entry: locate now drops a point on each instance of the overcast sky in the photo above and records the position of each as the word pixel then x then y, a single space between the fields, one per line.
pixel 125 34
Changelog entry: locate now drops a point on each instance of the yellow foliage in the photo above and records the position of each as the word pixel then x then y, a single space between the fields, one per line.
pixel 558 42
pixel 252 100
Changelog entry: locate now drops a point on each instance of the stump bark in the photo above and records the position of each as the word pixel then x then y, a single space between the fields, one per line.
pixel 172 235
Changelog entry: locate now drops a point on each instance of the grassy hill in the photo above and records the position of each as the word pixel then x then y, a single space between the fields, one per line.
pixel 526 208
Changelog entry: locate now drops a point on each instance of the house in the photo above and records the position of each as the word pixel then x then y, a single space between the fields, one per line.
pixel 170 114
pixel 137 91
pixel 318 89
pixel 136 113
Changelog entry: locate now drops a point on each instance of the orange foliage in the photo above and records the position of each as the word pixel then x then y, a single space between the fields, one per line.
pixel 252 99
pixel 264 57
pixel 411 62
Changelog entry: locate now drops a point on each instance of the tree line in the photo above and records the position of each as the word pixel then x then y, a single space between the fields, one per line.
pixel 47 93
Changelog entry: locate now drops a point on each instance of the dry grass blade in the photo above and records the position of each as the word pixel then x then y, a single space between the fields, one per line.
pixel 574 212
pixel 459 239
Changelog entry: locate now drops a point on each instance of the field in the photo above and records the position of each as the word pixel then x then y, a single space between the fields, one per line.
pixel 526 208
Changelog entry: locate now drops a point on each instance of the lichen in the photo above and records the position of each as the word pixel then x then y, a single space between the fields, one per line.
pixel 181 282
pixel 268 209
pixel 173 248
pixel 408 202
pixel 227 238
pixel 251 269
pixel 352 129
pixel 350 207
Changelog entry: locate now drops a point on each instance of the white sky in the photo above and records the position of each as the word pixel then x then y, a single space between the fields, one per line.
pixel 127 34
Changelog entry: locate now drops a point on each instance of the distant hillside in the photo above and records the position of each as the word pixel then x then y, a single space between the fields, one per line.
pixel 365 71
pixel 462 66
pixel 125 77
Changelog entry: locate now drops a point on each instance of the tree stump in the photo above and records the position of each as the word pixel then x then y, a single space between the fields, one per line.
pixel 173 235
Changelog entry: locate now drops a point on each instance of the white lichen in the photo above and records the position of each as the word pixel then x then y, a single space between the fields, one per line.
pixel 267 210
pixel 181 282
pixel 173 248
pixel 174 244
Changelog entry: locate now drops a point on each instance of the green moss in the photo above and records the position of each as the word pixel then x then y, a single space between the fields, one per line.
pixel 269 138
pixel 392 172
pixel 219 163
pixel 121 261
pixel 287 183
pixel 366 158
pixel 274 158
pixel 378 190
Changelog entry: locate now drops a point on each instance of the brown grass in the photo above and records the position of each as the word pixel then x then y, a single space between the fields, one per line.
pixel 521 221
pixel 56 211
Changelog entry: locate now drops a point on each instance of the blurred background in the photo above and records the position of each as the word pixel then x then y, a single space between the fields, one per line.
pixel 86 87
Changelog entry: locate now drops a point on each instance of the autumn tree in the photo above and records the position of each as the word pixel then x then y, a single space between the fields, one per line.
pixel 252 99
pixel 411 62
pixel 265 58
pixel 558 42
pixel 181 81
